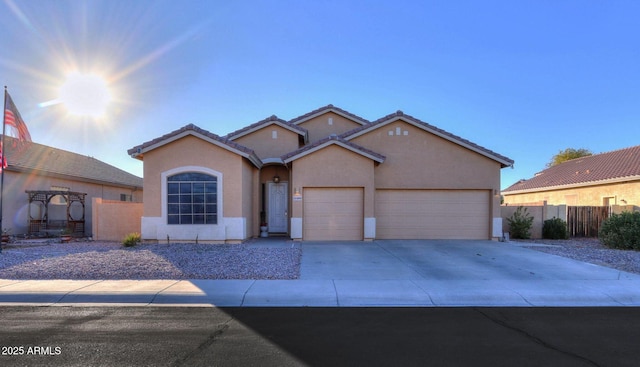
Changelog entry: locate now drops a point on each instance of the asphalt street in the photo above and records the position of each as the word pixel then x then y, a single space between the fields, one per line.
pixel 170 336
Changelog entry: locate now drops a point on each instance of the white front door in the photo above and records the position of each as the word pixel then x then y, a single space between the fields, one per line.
pixel 278 201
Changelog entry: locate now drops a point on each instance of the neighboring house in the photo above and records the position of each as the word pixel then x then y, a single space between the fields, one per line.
pixel 326 175
pixel 611 178
pixel 36 167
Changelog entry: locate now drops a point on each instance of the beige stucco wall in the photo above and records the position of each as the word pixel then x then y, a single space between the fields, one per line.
pixel 267 173
pixel 192 151
pixel 585 196
pixel 265 146
pixel 15 200
pixel 421 160
pixel 113 220
pixel 236 198
pixel 249 202
pixel 333 166
pixel 320 128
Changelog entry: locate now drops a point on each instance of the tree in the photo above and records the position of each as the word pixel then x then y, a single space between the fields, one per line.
pixel 567 154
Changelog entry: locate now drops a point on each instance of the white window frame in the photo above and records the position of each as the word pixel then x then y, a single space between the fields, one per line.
pixel 164 197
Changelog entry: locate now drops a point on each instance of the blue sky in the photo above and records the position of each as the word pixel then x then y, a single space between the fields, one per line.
pixel 522 78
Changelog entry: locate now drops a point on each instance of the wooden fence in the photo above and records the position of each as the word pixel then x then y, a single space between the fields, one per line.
pixel 585 221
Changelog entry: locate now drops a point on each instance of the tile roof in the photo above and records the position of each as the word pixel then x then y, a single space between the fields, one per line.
pixel 36 157
pixel 266 122
pixel 430 128
pixel 618 165
pixel 333 139
pixel 138 151
pixel 325 109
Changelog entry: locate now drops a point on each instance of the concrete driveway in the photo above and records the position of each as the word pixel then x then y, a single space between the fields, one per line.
pixel 379 273
pixel 462 273
pixel 444 260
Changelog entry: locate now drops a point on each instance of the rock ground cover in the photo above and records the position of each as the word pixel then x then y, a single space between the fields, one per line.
pixel 589 250
pixel 110 260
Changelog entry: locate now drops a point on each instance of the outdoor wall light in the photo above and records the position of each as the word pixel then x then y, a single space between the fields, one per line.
pixel 296 192
pixel 276 178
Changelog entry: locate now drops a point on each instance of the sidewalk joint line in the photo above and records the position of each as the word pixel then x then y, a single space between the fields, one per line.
pixel 423 290
pixel 400 259
pixel 245 293
pixel 333 281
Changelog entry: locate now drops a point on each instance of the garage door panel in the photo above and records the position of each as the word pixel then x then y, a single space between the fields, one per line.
pixel 432 214
pixel 333 214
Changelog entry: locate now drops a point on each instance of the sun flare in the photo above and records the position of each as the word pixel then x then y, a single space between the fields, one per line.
pixel 85 94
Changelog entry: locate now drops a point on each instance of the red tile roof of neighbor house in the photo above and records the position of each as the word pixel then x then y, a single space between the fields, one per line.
pixel 399 115
pixel 46 160
pixel 615 166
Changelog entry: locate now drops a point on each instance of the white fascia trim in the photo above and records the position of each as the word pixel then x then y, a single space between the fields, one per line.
pixel 573 186
pixel 331 142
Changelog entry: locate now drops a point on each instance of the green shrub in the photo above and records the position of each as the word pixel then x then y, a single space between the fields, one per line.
pixel 520 223
pixel 131 239
pixel 555 229
pixel 621 231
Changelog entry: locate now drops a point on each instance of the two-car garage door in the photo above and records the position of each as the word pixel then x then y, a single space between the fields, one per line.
pixel 432 214
pixel 338 214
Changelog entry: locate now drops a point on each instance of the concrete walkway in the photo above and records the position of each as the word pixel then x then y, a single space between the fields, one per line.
pixel 356 274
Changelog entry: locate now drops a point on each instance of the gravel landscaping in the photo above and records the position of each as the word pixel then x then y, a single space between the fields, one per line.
pixel 110 260
pixel 589 250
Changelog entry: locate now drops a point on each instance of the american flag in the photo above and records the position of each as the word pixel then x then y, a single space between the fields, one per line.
pixel 3 160
pixel 12 118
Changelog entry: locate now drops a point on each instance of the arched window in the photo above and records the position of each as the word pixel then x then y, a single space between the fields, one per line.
pixel 192 198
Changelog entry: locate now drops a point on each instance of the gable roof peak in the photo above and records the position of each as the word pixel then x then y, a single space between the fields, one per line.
pixel 330 140
pixel 273 119
pixel 191 129
pixel 329 108
pixel 399 115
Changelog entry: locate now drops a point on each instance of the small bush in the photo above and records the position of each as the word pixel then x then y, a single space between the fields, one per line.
pixel 520 223
pixel 621 231
pixel 131 239
pixel 555 229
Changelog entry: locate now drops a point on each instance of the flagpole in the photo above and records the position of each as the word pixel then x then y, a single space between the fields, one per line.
pixel 4 157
